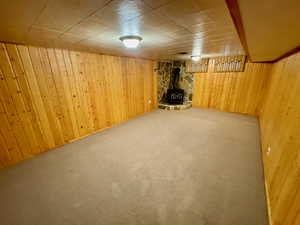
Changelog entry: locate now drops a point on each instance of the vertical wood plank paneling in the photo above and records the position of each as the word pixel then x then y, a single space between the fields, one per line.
pixel 102 92
pixel 25 92
pixel 62 84
pixel 60 97
pixel 10 147
pixel 37 98
pixel 231 91
pixel 155 86
pixel 49 97
pixel 86 121
pixel 43 79
pixel 14 105
pixel 280 129
pixel 75 93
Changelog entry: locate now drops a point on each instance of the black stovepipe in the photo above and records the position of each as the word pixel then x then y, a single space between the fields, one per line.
pixel 175 77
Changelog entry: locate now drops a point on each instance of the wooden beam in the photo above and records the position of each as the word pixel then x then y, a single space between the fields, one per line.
pixel 235 13
pixel 234 10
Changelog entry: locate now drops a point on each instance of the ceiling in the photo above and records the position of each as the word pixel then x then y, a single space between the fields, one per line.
pixel 167 26
pixel 272 27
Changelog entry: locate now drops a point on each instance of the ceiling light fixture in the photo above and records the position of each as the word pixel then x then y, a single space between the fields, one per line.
pixel 195 58
pixel 131 41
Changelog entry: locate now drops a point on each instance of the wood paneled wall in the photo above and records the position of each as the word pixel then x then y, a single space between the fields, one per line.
pixel 232 91
pixel 272 92
pixel 49 97
pixel 280 129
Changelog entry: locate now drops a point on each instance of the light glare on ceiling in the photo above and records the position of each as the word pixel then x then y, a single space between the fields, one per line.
pixel 131 41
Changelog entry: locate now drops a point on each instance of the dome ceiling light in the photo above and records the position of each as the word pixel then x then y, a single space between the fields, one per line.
pixel 195 58
pixel 131 41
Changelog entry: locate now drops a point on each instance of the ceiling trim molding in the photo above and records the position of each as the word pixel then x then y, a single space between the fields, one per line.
pixel 287 54
pixel 235 13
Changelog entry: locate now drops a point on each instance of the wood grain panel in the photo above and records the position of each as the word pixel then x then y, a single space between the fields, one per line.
pixel 280 129
pixel 231 91
pixel 49 97
pixel 197 67
pixel 230 64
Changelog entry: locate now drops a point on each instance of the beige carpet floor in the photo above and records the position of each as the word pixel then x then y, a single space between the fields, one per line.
pixel 193 167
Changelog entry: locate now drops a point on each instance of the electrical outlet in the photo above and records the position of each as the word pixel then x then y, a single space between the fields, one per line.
pixel 268 150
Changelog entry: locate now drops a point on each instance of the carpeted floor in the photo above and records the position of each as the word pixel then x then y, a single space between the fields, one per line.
pixel 193 167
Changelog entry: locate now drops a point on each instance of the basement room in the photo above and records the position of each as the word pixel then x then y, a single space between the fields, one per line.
pixel 150 112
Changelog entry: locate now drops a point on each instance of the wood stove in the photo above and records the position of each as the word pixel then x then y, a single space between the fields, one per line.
pixel 175 95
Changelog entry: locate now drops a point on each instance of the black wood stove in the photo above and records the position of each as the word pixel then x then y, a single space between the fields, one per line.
pixel 175 95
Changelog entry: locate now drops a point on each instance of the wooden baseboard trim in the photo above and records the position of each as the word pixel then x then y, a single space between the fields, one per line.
pixel 268 203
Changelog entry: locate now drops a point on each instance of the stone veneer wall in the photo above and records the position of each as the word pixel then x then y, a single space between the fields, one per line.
pixel 186 81
pixel 164 74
